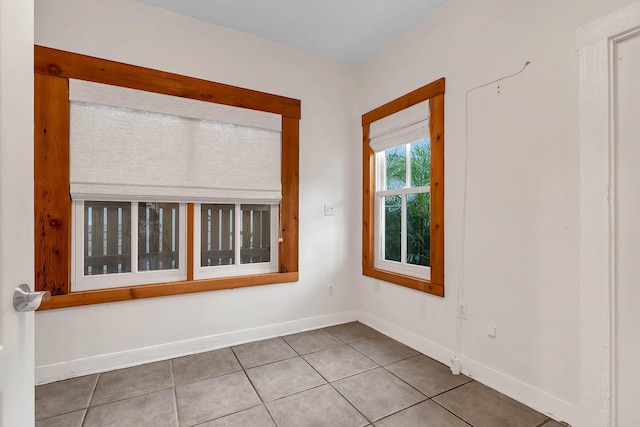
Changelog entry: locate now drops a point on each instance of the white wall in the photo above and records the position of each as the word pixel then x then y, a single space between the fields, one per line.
pixel 522 242
pixel 78 340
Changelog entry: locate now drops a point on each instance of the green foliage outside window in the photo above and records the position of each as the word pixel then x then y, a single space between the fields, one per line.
pixel 418 204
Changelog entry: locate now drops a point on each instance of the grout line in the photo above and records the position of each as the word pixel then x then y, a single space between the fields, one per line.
pixel 267 363
pixel 410 385
pixel 404 409
pixel 84 417
pixel 290 346
pixel 175 390
pixel 356 373
pixel 227 415
pixel 451 389
pixel 93 390
pixel 450 411
pixel 146 393
pixel 349 402
pixel 542 424
pixel 273 420
pixel 255 390
pixel 85 409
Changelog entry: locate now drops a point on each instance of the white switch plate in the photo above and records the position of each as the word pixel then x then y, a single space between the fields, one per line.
pixel 329 209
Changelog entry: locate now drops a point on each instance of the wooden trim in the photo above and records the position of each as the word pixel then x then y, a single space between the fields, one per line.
pixel 368 203
pixel 434 92
pixel 52 203
pixel 58 63
pixel 190 240
pixel 406 281
pixel 164 289
pixel 421 94
pixel 436 124
pixel 288 248
pixel 53 226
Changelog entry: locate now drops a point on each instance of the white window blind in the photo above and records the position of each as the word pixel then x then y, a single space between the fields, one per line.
pixel 405 126
pixel 128 144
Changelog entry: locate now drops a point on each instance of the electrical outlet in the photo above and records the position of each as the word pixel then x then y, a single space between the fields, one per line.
pixel 463 311
pixel 491 330
pixel 330 286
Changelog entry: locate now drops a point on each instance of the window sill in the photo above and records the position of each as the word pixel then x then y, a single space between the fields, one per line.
pixel 102 296
pixel 421 285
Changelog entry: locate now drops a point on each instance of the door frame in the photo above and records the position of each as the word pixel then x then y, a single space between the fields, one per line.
pixel 595 43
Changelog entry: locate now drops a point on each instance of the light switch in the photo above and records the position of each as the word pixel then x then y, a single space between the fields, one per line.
pixel 329 209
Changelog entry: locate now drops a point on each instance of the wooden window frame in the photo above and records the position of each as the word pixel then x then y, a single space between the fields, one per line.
pixel 434 92
pixel 53 206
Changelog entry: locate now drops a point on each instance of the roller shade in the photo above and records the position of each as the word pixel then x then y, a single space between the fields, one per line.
pixel 127 144
pixel 405 126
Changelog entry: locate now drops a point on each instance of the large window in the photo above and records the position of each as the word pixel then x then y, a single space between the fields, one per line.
pixel 403 197
pixel 149 183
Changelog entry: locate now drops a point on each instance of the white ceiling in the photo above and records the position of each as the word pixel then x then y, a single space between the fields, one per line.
pixel 350 31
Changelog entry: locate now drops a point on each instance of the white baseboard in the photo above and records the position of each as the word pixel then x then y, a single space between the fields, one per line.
pixel 415 341
pixel 107 362
pixel 537 399
pixel 529 395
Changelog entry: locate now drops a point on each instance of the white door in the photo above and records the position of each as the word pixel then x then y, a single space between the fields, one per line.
pixel 627 229
pixel 16 211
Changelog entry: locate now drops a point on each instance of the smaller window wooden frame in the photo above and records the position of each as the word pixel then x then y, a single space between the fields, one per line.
pixel 434 92
pixel 53 205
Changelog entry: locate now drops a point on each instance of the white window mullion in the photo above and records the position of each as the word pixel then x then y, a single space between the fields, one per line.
pixel 403 229
pixel 381 176
pixel 275 225
pixel 237 237
pixel 134 237
pixel 380 221
pixel 197 236
pixel 404 191
pixel 407 156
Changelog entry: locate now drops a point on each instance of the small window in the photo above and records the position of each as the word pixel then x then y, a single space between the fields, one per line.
pixel 235 239
pixel 123 243
pixel 403 207
pixel 403 197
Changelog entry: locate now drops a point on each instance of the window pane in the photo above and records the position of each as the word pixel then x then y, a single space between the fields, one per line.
pixel 107 238
pixel 256 234
pixel 392 228
pixel 418 229
pixel 158 236
pixel 396 167
pixel 421 163
pixel 216 235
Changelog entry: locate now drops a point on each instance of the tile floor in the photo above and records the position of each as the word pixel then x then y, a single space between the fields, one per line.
pixel 345 375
